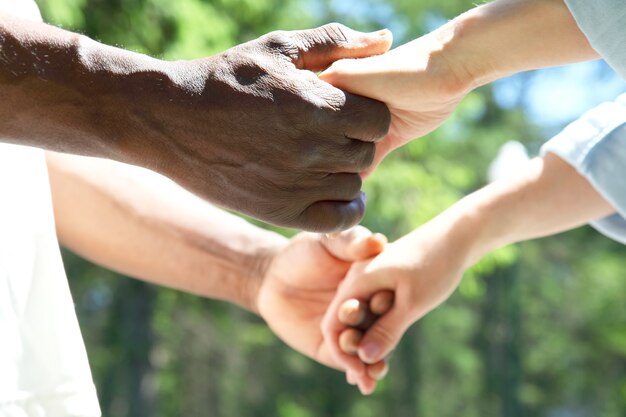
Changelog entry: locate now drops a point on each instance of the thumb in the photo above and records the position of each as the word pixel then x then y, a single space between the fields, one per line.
pixel 356 244
pixel 383 336
pixel 318 48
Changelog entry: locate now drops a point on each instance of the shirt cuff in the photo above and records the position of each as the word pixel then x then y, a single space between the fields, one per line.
pixel 602 22
pixel 595 145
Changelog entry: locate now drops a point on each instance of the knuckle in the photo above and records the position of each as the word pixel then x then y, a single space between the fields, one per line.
pixel 336 32
pixel 281 42
pixel 276 39
pixel 312 154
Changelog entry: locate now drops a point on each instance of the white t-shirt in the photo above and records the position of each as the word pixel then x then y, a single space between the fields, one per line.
pixel 23 8
pixel 44 370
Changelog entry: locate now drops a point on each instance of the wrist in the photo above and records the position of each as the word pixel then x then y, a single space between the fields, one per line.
pixel 256 271
pixel 465 224
pixel 504 37
pixel 470 228
pixel 498 214
pixel 459 68
pixel 127 92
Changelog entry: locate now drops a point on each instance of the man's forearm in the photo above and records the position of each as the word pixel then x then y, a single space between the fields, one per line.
pixel 140 224
pixel 505 37
pixel 65 92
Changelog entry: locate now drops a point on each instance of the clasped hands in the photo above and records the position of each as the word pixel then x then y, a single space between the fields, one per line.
pixel 421 83
pixel 304 284
pixel 302 306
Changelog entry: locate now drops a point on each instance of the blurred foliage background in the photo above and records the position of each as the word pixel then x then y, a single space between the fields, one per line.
pixel 537 329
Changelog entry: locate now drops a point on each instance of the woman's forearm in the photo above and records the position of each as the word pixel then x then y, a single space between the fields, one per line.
pixel 140 224
pixel 505 37
pixel 546 197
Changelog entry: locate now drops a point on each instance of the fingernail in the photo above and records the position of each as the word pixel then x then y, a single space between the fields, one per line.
pixel 333 235
pixel 382 32
pixel 369 352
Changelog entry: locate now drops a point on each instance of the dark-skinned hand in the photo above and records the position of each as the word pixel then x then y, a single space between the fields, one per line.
pixel 252 129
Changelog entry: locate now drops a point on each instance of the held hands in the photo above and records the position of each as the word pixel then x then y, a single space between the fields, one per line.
pixel 300 282
pixel 421 270
pixel 420 82
pixel 252 129
pixel 421 88
pixel 346 301
pixel 256 124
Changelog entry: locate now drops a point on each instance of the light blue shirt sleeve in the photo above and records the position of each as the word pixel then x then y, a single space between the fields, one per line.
pixel 604 24
pixel 595 145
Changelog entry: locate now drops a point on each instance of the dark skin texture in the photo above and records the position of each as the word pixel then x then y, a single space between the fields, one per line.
pixel 252 129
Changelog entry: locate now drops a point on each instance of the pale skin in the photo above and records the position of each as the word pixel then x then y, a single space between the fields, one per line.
pixel 422 82
pixel 424 267
pixel 141 224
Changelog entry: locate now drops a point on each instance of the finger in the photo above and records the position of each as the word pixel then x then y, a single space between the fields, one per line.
pixel 338 339
pixel 365 119
pixel 320 47
pixel 337 242
pixel 346 74
pixel 352 312
pixel 357 369
pixel 366 384
pixel 379 370
pixel 352 116
pixel 342 154
pixel 381 302
pixel 332 329
pixel 383 336
pixel 349 340
pixel 355 244
pixel 350 378
pixel 360 314
pixel 355 285
pixel 366 77
pixel 356 313
pixel 331 216
pixel 333 187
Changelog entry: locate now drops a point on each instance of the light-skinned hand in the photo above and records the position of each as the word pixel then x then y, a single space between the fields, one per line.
pixel 300 282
